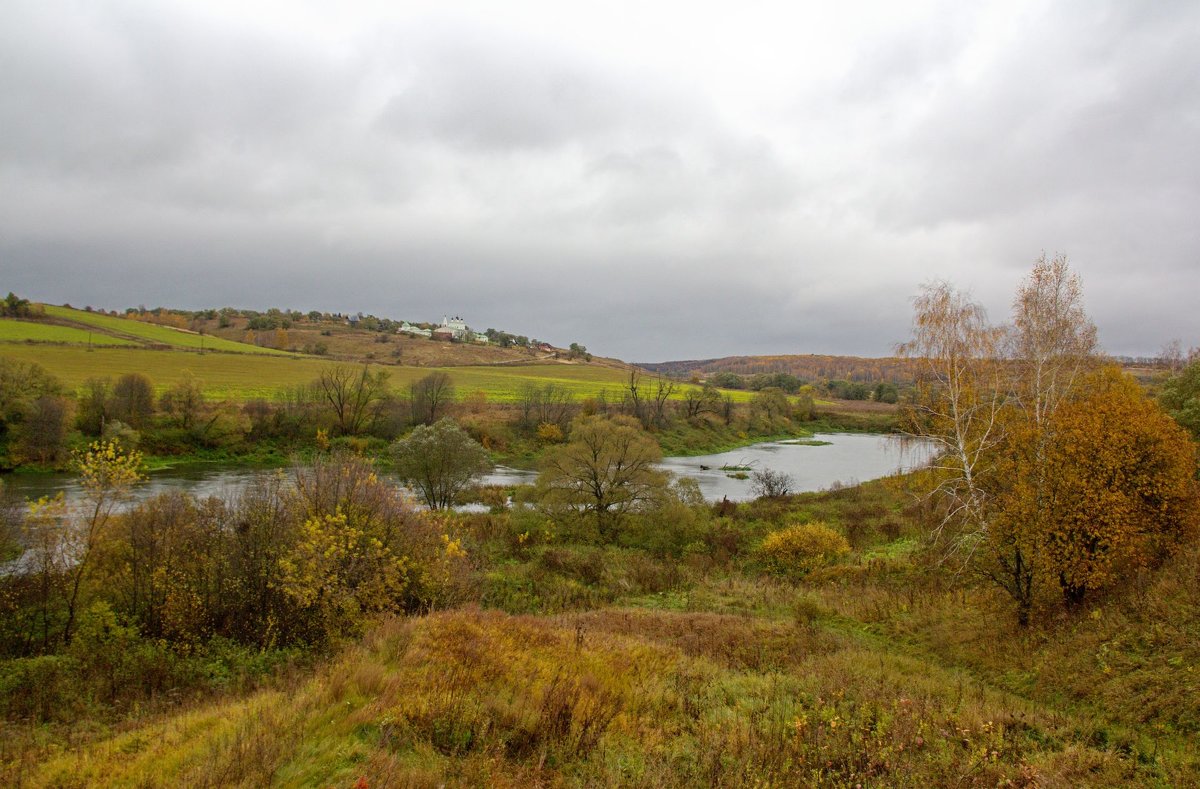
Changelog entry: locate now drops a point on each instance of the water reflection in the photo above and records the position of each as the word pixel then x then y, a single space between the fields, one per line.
pixel 845 458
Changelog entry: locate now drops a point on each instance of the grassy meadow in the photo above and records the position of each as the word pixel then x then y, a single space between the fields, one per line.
pixel 29 331
pixel 244 377
pixel 223 375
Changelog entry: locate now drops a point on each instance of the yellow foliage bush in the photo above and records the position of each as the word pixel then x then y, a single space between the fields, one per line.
pixel 801 548
pixel 1105 490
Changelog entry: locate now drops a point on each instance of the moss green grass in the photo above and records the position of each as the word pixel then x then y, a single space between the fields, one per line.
pixel 29 331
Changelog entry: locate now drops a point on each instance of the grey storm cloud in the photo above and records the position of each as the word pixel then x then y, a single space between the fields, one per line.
pixel 1110 112
pixel 678 183
pixel 479 94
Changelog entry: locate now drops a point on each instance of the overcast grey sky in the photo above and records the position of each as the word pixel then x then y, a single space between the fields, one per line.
pixel 653 180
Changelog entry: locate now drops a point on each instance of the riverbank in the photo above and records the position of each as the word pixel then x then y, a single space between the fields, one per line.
pixel 693 442
pixel 507 446
pixel 830 460
pixel 855 416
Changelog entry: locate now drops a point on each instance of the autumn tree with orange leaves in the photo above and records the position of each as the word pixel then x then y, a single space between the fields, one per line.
pixel 1056 476
pixel 1119 491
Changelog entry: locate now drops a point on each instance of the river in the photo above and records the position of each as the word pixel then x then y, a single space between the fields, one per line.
pixel 845 458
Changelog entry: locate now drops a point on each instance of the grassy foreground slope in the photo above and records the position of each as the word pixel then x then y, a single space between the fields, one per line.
pixel 766 687
pixel 615 697
pixel 878 672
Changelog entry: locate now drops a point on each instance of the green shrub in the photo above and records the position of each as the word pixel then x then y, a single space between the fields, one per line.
pixel 725 540
pixel 808 611
pixel 643 575
pixel 585 565
pixel 799 549
pixel 530 588
pixel 40 688
pixel 508 535
pixel 105 648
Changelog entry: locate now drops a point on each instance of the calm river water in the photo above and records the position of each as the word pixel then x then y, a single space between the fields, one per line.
pixel 847 458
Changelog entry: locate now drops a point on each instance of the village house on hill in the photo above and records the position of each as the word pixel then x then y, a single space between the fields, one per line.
pixel 451 329
pixel 455 329
pixel 415 331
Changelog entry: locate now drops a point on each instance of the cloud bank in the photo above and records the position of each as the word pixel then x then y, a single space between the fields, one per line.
pixel 663 183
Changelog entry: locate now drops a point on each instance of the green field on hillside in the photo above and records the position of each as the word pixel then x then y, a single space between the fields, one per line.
pixel 28 331
pixel 245 377
pixel 153 333
pixel 223 375
pixel 505 384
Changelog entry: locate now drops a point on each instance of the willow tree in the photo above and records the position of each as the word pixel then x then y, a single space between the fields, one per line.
pixel 606 470
pixel 439 461
pixel 351 395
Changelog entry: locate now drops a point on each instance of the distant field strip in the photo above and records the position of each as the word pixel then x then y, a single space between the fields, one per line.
pixel 28 331
pixel 244 377
pixel 505 384
pixel 153 333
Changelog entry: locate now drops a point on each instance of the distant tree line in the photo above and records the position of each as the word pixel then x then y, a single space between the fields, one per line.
pixel 807 367
pixel 840 389
pixel 505 340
